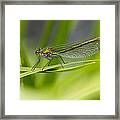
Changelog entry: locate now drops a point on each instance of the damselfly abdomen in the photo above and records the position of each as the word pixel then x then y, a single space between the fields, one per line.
pixel 74 50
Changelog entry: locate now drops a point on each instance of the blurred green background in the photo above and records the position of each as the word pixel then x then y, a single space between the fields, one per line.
pixel 78 84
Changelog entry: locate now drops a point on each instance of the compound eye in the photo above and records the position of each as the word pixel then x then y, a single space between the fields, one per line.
pixel 37 52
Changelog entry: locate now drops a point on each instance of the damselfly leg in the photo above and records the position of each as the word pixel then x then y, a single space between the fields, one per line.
pixel 36 64
pixel 61 58
pixel 58 57
pixel 47 64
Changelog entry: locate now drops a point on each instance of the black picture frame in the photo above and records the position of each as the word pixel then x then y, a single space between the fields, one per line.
pixel 117 49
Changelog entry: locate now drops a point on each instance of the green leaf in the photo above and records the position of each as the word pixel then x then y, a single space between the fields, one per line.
pixel 53 67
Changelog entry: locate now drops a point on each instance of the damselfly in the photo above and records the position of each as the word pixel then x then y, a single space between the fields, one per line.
pixel 74 50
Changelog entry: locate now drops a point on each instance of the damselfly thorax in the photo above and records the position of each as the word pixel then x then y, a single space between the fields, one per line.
pixel 48 53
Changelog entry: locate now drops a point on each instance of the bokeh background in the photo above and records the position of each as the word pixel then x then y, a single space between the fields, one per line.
pixel 79 84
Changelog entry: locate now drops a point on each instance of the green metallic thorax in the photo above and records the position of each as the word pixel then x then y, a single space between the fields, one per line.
pixel 48 53
pixel 49 50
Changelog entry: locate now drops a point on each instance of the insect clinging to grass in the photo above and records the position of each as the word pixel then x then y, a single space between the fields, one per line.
pixel 74 50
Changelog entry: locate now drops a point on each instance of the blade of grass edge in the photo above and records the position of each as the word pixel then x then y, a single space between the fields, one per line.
pixel 29 72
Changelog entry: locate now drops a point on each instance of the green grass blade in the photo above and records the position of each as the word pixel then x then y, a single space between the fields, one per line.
pixel 30 72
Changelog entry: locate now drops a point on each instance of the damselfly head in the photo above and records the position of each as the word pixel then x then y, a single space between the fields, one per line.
pixel 39 51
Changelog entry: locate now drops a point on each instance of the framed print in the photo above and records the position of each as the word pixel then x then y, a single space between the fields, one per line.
pixel 59 59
